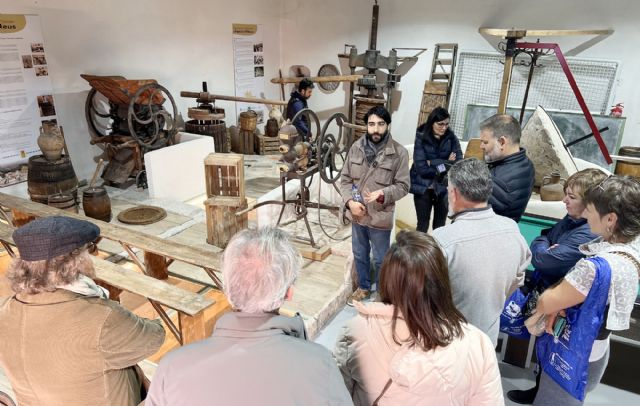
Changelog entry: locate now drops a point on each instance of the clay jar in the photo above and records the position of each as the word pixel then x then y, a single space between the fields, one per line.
pixel 51 142
pixel 552 188
pixel 96 203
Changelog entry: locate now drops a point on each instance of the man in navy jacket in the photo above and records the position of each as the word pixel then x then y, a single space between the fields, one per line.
pixel 297 102
pixel 511 169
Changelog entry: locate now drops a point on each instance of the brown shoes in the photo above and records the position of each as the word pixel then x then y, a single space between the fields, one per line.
pixel 359 295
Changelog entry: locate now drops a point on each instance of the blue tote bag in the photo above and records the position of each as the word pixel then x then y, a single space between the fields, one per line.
pixel 518 307
pixel 566 358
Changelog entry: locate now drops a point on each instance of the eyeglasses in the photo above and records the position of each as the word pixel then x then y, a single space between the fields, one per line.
pixel 601 184
pixel 92 247
pixel 442 124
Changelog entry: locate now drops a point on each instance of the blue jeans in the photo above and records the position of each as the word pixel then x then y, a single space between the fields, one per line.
pixel 363 241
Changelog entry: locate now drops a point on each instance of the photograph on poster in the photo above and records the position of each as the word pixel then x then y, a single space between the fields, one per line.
pixel 45 104
pixel 258 59
pixel 39 59
pixel 27 61
pixel 37 47
pixel 258 71
pixel 42 71
pixel 257 47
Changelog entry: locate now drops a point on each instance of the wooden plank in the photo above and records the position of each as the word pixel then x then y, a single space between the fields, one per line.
pixel 179 252
pixel 140 284
pixel 521 33
pixel 156 265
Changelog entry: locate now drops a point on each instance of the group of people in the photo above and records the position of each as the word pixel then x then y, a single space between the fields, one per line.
pixel 384 353
pixel 428 334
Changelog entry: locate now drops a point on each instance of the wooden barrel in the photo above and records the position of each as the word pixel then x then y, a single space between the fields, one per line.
pixel 63 202
pixel 46 178
pixel 628 168
pixel 96 203
pixel 217 129
pixel 271 128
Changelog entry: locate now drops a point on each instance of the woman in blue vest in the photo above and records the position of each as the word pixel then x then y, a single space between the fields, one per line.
pixel 611 270
pixel 436 148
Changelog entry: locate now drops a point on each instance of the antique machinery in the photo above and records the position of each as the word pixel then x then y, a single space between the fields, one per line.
pixel 534 50
pixel 127 118
pixel 372 90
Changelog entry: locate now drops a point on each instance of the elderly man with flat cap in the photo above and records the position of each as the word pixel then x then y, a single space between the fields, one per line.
pixel 62 341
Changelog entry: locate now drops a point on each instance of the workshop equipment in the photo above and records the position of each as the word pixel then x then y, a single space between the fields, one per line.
pixel 207 119
pixel 127 118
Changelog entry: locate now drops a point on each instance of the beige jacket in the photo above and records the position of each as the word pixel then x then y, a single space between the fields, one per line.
pixel 61 348
pixel 390 173
pixel 463 373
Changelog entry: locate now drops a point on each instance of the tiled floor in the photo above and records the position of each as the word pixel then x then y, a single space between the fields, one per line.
pixel 512 377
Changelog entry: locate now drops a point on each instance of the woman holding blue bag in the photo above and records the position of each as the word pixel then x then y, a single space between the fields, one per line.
pixel 579 310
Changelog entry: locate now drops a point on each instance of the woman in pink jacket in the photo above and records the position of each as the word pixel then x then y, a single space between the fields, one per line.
pixel 415 347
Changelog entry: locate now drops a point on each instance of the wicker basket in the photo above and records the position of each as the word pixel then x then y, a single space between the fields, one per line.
pixel 248 120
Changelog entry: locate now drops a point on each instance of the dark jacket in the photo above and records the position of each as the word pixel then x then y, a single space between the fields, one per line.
pixel 512 184
pixel 251 359
pixel 553 264
pixel 428 148
pixel 296 103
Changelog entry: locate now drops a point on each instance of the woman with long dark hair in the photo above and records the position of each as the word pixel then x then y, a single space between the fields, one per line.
pixel 436 148
pixel 596 296
pixel 414 347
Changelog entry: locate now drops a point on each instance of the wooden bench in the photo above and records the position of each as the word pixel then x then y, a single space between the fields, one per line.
pixel 190 306
pixel 159 254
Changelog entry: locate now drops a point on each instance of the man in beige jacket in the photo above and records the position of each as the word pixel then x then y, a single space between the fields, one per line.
pixel 62 341
pixel 375 175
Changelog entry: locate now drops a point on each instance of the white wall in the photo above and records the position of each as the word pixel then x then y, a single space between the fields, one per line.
pixel 181 43
pixel 314 32
pixel 178 43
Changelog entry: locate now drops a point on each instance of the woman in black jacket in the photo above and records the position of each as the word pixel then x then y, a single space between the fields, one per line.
pixel 436 148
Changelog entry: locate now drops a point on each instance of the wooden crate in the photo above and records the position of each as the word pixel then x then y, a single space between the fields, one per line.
pixel 222 222
pixel 267 145
pixel 434 95
pixel 246 142
pixel 224 175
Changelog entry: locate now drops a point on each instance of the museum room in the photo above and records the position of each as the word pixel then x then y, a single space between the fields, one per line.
pixel 210 202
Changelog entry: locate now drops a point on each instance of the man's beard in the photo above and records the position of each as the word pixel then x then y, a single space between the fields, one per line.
pixel 377 135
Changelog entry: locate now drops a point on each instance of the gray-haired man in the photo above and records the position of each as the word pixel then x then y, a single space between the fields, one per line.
pixel 486 253
pixel 255 356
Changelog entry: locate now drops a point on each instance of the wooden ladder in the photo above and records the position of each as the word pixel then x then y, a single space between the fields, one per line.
pixel 437 90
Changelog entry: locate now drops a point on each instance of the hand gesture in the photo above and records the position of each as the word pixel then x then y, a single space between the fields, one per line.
pixel 370 197
pixel 357 209
pixel 452 156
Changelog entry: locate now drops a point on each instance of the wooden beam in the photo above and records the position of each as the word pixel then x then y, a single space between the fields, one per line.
pixel 318 79
pixel 213 97
pixel 521 33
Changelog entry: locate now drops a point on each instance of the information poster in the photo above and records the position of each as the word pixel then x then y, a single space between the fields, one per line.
pixel 248 60
pixel 26 96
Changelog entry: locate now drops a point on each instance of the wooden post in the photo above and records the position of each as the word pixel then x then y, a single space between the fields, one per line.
pixel 156 265
pixel 192 328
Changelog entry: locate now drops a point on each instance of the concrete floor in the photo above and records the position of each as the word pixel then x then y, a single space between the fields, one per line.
pixel 512 377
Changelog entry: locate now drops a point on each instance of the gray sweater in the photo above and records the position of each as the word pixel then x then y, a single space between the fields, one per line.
pixel 487 258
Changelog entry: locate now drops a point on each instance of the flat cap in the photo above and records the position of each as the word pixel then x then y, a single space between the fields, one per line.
pixel 49 237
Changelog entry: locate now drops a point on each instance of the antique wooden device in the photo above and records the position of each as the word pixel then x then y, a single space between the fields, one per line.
pixel 207 119
pixel 224 177
pixel 534 50
pixel 127 118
